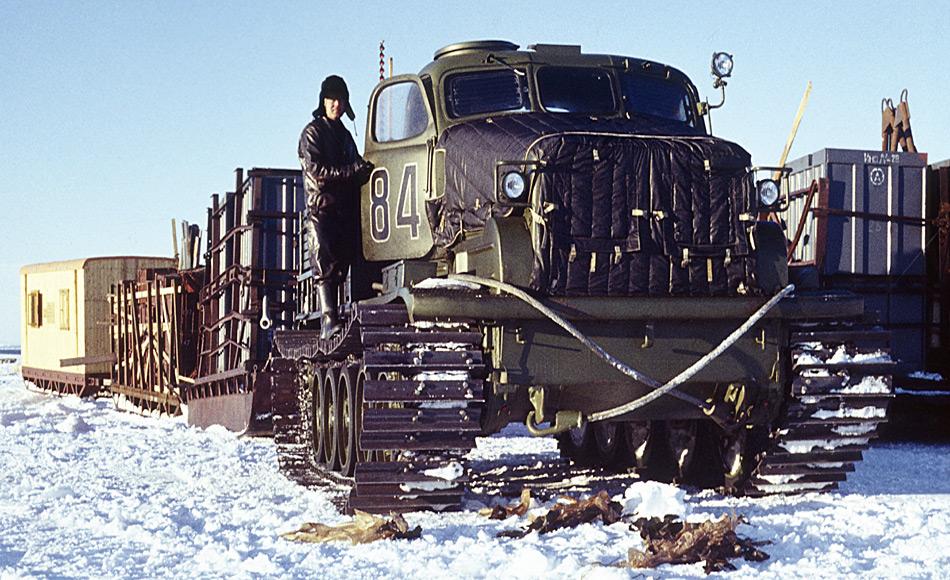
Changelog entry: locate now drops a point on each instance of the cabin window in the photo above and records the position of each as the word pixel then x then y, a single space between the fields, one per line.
pixel 656 97
pixel 576 90
pixel 35 306
pixel 64 309
pixel 477 93
pixel 400 113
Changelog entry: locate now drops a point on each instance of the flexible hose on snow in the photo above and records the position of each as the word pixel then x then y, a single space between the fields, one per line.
pixel 659 389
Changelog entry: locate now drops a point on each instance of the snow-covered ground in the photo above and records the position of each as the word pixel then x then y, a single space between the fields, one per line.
pixel 86 491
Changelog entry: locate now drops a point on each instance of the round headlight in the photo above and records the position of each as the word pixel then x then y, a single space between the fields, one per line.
pixel 722 64
pixel 768 191
pixel 513 185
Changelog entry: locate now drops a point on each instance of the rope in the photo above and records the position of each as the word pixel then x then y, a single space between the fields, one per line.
pixel 658 389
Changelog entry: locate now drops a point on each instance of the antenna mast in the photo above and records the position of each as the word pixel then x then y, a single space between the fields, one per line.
pixel 382 60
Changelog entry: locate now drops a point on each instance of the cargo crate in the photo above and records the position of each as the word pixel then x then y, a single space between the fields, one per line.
pixel 869 220
pixel 154 338
pixel 938 267
pixel 249 291
pixel 860 218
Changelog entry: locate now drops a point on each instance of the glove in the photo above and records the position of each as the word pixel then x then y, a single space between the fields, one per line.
pixel 363 171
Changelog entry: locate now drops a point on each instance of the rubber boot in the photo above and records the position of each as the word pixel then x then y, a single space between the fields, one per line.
pixel 329 323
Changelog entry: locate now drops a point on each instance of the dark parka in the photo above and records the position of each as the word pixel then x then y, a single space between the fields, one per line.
pixel 332 174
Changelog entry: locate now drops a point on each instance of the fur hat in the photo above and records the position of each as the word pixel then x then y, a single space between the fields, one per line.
pixel 334 87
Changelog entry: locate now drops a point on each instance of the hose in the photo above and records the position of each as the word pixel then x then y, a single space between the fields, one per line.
pixel 658 389
pixel 696 366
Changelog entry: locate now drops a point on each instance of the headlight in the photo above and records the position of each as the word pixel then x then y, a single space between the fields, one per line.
pixel 722 64
pixel 768 191
pixel 513 185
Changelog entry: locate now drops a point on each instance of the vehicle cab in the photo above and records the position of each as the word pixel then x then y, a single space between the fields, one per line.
pixel 487 80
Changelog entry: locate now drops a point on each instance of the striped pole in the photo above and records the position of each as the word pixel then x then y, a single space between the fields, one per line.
pixel 382 60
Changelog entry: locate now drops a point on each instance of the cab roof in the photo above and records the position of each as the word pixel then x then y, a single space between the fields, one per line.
pixel 475 53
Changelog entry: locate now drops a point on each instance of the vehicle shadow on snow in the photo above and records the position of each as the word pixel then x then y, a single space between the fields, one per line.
pixel 901 469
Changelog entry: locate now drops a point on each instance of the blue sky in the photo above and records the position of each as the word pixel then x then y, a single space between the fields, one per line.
pixel 116 117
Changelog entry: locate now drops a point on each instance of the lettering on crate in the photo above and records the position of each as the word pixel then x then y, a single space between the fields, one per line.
pixel 881 158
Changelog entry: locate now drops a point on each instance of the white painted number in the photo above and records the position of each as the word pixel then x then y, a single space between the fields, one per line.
pixel 408 217
pixel 407 204
pixel 379 205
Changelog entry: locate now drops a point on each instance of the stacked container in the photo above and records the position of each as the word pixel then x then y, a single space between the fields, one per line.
pixel 249 293
pixel 864 230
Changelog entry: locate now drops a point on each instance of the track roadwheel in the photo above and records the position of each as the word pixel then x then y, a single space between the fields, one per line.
pixel 362 456
pixel 606 441
pixel 637 443
pixel 578 445
pixel 318 435
pixel 734 450
pixel 682 440
pixel 330 418
pixel 346 428
pixel 741 452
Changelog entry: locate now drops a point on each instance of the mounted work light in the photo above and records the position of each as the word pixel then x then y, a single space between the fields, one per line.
pixel 722 65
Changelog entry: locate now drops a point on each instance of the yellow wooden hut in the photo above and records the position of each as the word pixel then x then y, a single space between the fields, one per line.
pixel 65 334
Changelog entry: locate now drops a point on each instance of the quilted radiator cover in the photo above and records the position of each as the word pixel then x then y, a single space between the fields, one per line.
pixel 626 207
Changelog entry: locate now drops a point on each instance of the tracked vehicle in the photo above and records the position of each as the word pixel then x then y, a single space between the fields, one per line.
pixel 555 238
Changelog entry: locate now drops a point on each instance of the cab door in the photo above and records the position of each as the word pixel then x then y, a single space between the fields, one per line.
pixel 400 139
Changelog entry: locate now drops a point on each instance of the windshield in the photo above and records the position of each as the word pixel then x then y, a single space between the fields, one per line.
pixel 493 91
pixel 575 90
pixel 656 97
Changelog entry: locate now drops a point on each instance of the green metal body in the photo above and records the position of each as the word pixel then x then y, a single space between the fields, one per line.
pixel 660 336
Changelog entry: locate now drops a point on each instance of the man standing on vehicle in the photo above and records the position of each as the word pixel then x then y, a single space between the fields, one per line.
pixel 333 172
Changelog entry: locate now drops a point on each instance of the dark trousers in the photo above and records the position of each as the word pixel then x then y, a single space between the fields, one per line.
pixel 330 242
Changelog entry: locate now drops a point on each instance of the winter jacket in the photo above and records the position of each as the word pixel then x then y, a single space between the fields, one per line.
pixel 330 164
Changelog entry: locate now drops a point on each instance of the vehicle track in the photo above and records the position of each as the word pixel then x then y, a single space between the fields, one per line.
pixel 840 390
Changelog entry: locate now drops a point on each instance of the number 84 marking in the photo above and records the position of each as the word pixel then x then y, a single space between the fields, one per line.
pixel 407 204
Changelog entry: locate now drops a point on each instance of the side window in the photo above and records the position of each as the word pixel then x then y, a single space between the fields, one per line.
pixel 400 113
pixel 36 309
pixel 64 309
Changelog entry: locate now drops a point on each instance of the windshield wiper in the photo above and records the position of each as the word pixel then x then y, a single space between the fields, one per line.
pixel 492 58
